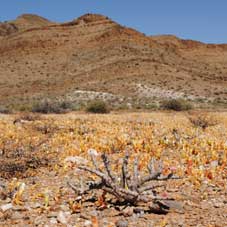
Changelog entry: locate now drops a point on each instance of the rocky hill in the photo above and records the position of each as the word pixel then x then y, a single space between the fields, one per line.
pixel 95 57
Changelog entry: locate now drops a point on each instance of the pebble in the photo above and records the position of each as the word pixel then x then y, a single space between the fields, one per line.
pixel 218 204
pixel 6 207
pixel 1 215
pixel 214 164
pixel 174 205
pixel 62 217
pixel 17 215
pixel 53 221
pixel 121 223
pixel 65 208
pixel 52 214
pixel 128 211
pixel 19 208
pixel 88 223
pixel 35 205
pixel 38 221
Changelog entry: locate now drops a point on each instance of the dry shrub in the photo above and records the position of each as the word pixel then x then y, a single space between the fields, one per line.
pixel 28 117
pixel 47 107
pixel 97 106
pixel 5 110
pixel 203 120
pixel 176 104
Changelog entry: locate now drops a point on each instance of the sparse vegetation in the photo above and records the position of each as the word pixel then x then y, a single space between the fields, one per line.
pixel 40 158
pixel 203 120
pixel 97 106
pixel 50 107
pixel 28 117
pixel 176 104
pixel 5 110
pixel 132 188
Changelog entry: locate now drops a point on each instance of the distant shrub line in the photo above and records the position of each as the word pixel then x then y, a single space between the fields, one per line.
pixel 95 106
pixel 176 104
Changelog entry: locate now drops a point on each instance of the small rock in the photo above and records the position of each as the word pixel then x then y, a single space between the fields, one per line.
pixel 6 207
pixel 52 214
pixel 65 208
pixel 128 211
pixel 218 204
pixel 38 220
pixel 1 215
pixel 214 164
pixel 17 215
pixel 174 205
pixel 62 217
pixel 88 223
pixel 35 205
pixel 19 208
pixel 121 223
pixel 8 200
pixel 53 221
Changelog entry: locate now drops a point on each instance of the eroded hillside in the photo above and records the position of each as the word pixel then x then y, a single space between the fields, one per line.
pixel 94 57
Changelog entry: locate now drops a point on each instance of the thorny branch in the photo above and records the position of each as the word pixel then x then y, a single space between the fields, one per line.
pixel 132 188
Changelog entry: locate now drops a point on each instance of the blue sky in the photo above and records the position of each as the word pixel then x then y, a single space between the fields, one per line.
pixel 203 20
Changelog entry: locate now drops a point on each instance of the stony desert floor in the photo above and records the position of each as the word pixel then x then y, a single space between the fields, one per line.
pixel 40 154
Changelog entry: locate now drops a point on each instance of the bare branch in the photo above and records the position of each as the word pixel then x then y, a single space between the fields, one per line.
pixel 135 178
pixel 94 161
pixel 107 167
pixel 125 174
pixel 131 190
pixel 150 187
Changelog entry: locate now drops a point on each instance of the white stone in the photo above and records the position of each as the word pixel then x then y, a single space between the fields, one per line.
pixel 62 218
pixel 214 164
pixel 53 221
pixel 6 207
pixel 87 223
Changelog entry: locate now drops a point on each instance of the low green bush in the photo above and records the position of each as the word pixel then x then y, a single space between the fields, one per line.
pixel 176 104
pixel 97 106
pixel 5 110
pixel 50 107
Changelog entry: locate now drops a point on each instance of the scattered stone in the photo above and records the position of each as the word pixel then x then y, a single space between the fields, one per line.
pixel 217 204
pixel 128 211
pixel 121 223
pixel 214 164
pixel 65 208
pixel 17 215
pixel 6 207
pixel 19 208
pixel 62 218
pixel 1 215
pixel 38 220
pixel 174 205
pixel 52 214
pixel 88 223
pixel 35 205
pixel 8 200
pixel 53 221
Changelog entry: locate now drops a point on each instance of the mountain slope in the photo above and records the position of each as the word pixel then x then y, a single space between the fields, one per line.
pixel 94 57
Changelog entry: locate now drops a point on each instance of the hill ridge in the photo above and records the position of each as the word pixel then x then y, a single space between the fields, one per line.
pixel 68 61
